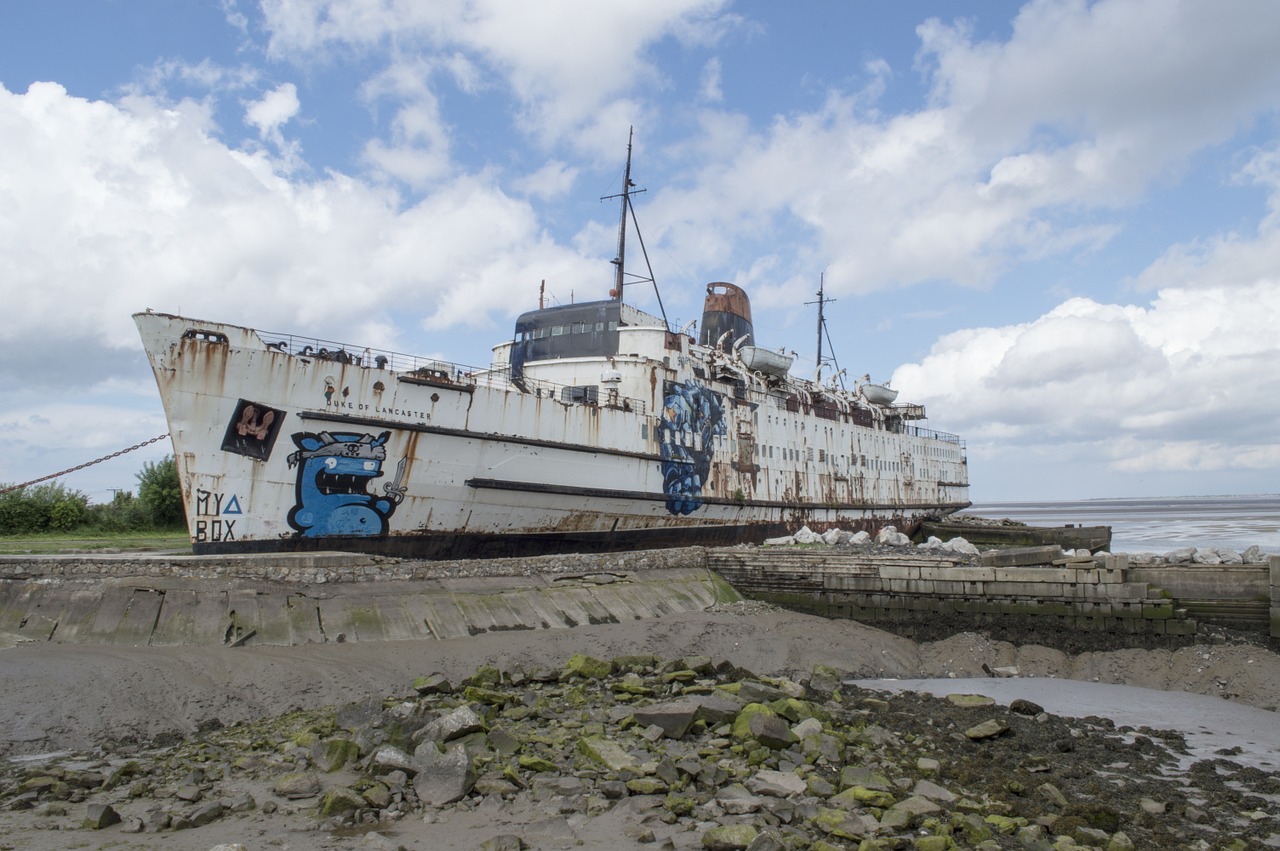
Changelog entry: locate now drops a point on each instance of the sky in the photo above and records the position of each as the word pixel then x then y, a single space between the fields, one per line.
pixel 1055 224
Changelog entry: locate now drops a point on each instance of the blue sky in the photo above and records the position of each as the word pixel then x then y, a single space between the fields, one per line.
pixel 1053 223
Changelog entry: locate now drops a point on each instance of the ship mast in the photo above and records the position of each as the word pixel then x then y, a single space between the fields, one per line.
pixel 822 278
pixel 822 302
pixel 619 262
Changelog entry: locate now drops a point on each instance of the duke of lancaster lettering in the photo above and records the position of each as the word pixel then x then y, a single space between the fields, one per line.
pixel 377 409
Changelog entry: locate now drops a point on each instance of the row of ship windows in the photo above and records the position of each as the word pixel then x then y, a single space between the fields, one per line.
pixel 933 451
pixel 562 330
pixel 787 453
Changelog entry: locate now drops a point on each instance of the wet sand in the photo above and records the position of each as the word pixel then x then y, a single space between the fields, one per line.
pixel 59 697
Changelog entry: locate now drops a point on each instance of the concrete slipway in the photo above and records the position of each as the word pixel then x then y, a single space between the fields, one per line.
pixel 333 597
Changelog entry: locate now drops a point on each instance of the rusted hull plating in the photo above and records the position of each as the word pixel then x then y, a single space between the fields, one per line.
pixel 285 446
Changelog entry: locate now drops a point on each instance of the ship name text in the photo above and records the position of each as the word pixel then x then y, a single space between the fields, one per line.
pixel 361 407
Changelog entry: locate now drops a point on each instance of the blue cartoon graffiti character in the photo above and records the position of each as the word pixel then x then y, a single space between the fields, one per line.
pixel 692 418
pixel 334 470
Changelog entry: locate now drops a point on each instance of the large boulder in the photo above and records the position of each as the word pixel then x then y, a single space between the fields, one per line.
pixel 442 778
pixel 462 721
pixel 760 723
pixel 807 536
pixel 297 784
pixel 586 667
pixel 1254 555
pixel 891 537
pixel 607 753
pixel 675 717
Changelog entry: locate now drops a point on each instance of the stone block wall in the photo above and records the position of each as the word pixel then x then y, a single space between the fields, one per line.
pixel 1089 595
pixel 1275 596
pixel 332 567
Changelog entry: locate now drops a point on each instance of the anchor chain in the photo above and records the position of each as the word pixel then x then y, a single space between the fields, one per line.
pixel 82 466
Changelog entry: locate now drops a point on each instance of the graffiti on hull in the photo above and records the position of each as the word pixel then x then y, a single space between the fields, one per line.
pixel 692 419
pixel 334 472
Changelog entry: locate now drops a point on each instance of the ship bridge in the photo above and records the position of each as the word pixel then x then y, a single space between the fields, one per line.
pixel 586 329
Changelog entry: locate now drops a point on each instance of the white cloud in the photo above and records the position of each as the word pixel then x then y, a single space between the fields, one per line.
pixel 1186 385
pixel 565 61
pixel 1024 149
pixel 419 150
pixel 553 180
pixel 110 209
pixel 710 87
pixel 273 110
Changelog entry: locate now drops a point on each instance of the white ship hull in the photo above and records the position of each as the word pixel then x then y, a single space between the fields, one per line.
pixel 637 437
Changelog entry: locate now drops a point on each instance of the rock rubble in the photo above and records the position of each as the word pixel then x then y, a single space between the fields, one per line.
pixel 889 536
pixel 686 753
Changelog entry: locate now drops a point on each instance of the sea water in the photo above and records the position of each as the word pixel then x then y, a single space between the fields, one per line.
pixel 1157 525
pixel 1154 525
pixel 1209 723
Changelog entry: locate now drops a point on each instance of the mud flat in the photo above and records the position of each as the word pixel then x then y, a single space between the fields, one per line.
pixel 104 706
pixel 220 725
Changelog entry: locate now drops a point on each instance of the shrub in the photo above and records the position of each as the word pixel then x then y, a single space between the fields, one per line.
pixel 39 507
pixel 125 513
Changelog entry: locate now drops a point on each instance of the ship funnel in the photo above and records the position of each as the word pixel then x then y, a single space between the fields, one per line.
pixel 727 309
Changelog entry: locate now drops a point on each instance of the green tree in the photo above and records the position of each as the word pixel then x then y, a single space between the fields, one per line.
pixel 161 493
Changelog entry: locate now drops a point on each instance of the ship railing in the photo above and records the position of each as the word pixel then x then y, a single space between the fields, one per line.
pixel 498 375
pixel 366 356
pixel 935 435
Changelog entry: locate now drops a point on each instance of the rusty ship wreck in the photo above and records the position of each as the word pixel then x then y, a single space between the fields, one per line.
pixel 596 427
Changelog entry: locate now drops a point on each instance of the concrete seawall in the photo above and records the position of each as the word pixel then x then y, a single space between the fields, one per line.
pixel 338 597
pixel 283 599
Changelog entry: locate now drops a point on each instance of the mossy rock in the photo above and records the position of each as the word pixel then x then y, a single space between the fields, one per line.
pixel 432 684
pixel 742 723
pixel 856 797
pixel 792 709
pixel 647 786
pixel 487 696
pixel 632 685
pixel 377 795
pixel 636 663
pixel 1004 825
pixel 586 667
pixel 684 675
pixel 681 805
pixel 607 753
pixel 536 763
pixel 729 837
pixel 305 739
pixel 486 676
pixel 341 801
pixel 932 843
pixel 337 753
pixel 839 823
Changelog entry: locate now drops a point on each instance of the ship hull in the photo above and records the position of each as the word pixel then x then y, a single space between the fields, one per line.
pixel 286 447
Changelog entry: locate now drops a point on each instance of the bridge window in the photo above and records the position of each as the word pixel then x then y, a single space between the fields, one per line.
pixel 588 393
